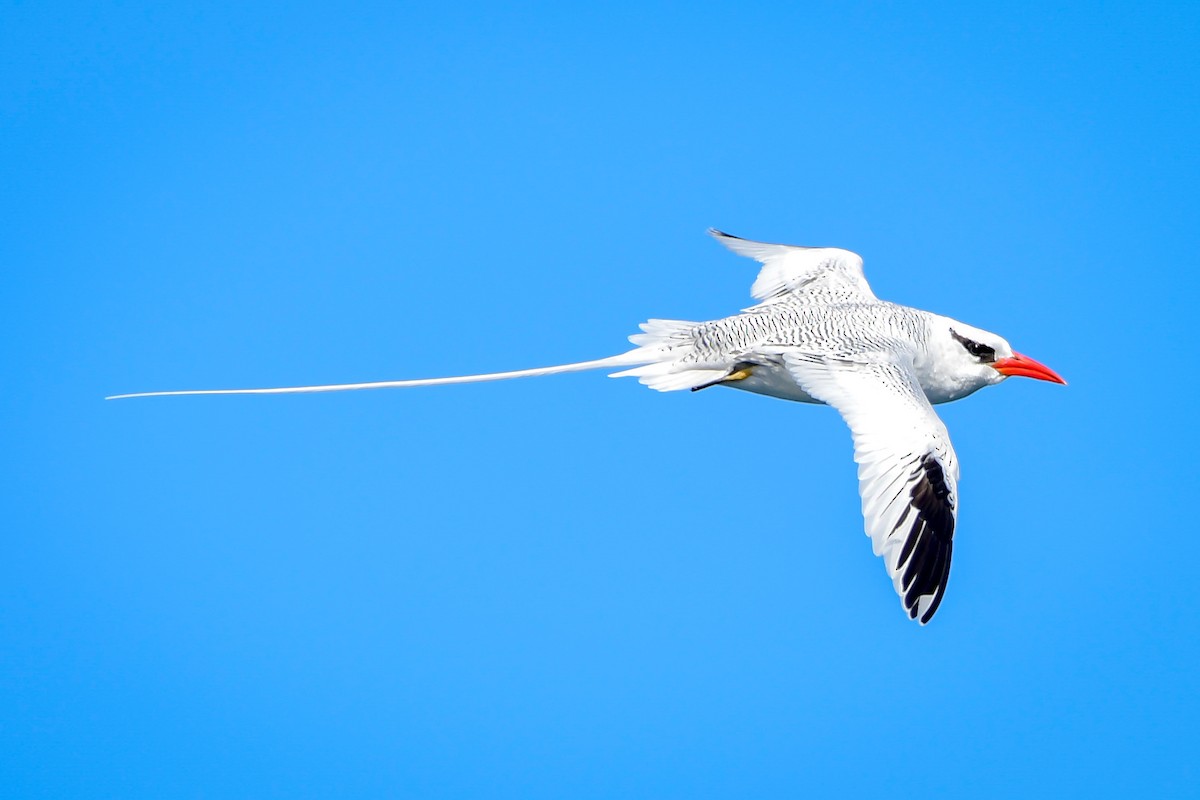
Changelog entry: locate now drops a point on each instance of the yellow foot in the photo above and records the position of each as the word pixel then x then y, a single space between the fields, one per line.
pixel 741 374
pixel 736 375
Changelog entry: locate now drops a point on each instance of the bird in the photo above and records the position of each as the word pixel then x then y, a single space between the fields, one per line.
pixel 818 334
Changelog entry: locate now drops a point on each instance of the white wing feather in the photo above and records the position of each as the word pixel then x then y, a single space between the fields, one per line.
pixel 907 470
pixel 824 274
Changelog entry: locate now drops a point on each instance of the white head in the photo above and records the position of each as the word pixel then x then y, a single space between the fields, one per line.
pixel 963 359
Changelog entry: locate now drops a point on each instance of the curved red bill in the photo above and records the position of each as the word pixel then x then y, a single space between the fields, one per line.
pixel 1026 367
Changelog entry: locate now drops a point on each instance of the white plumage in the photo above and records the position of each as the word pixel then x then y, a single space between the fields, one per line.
pixel 819 335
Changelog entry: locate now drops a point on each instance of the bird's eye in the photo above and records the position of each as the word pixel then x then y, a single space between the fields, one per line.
pixel 981 351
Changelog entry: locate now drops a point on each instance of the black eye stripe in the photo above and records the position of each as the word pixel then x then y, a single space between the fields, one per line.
pixel 981 351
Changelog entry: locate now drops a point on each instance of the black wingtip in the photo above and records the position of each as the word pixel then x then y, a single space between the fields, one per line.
pixel 930 544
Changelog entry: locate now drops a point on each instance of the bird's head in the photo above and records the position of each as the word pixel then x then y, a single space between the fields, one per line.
pixel 967 358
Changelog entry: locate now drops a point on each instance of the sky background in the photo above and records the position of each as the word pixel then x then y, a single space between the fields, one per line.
pixel 573 587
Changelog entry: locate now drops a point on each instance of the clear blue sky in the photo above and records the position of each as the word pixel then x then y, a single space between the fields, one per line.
pixel 574 587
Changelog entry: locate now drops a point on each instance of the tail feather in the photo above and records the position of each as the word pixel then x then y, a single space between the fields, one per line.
pixel 664 333
pixel 665 376
pixel 622 360
pixel 654 361
pixel 665 341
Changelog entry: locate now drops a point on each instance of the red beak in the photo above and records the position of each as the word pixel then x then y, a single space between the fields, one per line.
pixel 1027 367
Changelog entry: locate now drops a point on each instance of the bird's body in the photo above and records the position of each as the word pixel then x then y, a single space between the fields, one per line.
pixel 758 337
pixel 819 335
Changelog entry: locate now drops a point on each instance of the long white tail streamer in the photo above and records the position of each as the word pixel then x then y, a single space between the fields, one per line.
pixel 636 356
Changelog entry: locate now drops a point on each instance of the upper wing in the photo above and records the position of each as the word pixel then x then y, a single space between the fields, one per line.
pixel 824 274
pixel 907 470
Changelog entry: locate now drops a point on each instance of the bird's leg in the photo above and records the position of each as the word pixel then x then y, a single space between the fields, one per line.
pixel 740 371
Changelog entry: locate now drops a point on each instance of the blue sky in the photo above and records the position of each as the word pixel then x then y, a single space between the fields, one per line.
pixel 572 586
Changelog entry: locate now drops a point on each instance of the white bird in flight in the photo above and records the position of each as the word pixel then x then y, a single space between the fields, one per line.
pixel 819 335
